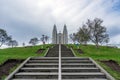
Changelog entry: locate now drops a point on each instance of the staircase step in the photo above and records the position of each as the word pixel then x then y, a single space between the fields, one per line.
pixel 33 75
pixel 74 58
pixel 41 65
pixel 83 75
pixel 63 61
pixel 85 79
pixel 34 79
pixel 57 79
pixel 45 58
pixel 63 65
pixel 39 69
pixel 78 65
pixel 43 61
pixel 78 70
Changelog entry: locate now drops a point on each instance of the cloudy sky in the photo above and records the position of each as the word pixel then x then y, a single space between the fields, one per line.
pixel 24 19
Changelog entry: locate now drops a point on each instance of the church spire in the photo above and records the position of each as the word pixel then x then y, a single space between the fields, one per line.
pixel 65 28
pixel 54 35
pixel 59 37
pixel 65 35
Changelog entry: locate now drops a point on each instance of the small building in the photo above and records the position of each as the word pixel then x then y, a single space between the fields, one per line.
pixel 61 38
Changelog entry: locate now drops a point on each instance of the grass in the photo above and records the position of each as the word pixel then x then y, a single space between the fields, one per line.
pixel 21 52
pixel 103 53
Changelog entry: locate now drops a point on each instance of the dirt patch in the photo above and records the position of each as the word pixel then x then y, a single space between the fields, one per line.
pixel 7 66
pixel 80 51
pixel 112 64
pixel 40 51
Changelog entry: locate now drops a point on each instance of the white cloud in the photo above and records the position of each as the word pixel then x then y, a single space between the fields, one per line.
pixel 41 15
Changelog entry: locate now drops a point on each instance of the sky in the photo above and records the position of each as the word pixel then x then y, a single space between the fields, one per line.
pixel 25 19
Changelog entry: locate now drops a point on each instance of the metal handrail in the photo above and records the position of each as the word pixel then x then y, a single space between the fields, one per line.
pixel 59 75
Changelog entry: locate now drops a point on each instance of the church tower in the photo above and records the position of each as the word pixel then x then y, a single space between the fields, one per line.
pixel 59 38
pixel 54 35
pixel 65 35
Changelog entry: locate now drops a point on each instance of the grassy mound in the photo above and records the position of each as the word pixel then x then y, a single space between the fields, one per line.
pixel 103 53
pixel 21 52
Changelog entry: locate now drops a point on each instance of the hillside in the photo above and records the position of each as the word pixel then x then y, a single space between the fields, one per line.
pixel 21 52
pixel 109 58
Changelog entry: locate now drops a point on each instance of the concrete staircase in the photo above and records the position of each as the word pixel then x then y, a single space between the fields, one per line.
pixel 53 52
pixel 81 69
pixel 38 68
pixel 47 68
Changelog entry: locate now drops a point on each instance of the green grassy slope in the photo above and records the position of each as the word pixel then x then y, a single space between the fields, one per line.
pixel 20 52
pixel 103 53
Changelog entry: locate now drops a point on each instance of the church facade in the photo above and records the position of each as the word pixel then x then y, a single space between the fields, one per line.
pixel 59 38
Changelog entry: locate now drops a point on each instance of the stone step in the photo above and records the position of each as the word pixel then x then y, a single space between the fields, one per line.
pixel 39 69
pixel 63 61
pixel 74 58
pixel 55 73
pixel 34 74
pixel 40 75
pixel 34 79
pixel 62 79
pixel 41 65
pixel 79 70
pixel 43 61
pixel 78 65
pixel 85 79
pixel 57 68
pixel 56 65
pixel 44 58
pixel 76 61
pixel 75 69
pixel 90 75
pixel 55 58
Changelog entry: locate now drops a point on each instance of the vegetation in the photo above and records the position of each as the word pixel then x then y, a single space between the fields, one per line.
pixel 33 41
pixel 12 43
pixel 97 32
pixel 73 37
pixel 5 39
pixel 103 53
pixel 44 39
pixel 21 52
pixel 91 31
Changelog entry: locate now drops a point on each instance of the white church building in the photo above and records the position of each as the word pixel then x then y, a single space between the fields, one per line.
pixel 59 38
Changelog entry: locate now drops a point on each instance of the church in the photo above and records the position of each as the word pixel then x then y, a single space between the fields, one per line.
pixel 59 38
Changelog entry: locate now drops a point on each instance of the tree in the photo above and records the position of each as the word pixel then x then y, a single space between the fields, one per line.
pixel 23 44
pixel 34 41
pixel 12 43
pixel 97 31
pixel 4 37
pixel 73 37
pixel 83 34
pixel 43 39
pixel 46 38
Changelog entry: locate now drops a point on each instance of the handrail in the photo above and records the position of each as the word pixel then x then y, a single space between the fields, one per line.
pixel 59 75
